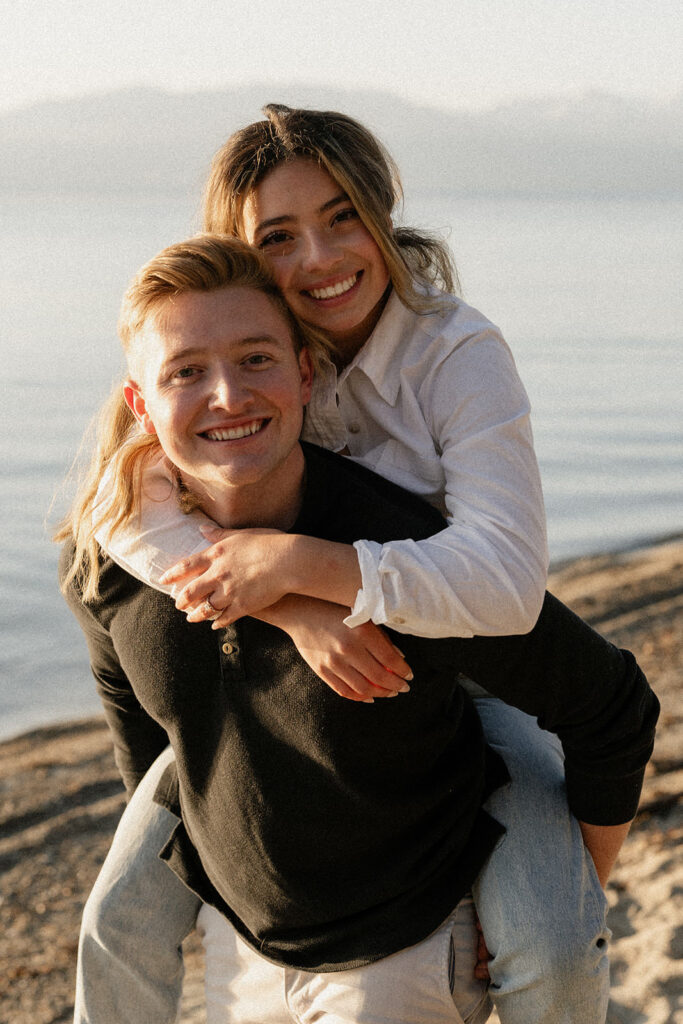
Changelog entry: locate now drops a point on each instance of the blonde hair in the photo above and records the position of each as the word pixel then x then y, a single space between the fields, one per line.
pixel 203 263
pixel 358 162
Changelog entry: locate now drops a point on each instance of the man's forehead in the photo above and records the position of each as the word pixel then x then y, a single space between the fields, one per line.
pixel 233 314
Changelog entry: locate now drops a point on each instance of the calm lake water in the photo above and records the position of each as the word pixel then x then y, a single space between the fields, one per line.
pixel 587 292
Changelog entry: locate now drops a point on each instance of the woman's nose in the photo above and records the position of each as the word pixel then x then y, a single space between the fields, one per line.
pixel 319 252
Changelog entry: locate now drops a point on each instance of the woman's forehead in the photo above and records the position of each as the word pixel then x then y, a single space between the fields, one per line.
pixel 293 186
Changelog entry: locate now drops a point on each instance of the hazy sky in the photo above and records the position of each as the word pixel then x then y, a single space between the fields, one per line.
pixel 449 53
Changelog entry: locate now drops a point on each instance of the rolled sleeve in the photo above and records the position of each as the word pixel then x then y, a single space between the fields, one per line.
pixel 444 587
pixel 152 542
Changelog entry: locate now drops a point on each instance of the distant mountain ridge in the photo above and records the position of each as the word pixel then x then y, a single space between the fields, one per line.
pixel 144 139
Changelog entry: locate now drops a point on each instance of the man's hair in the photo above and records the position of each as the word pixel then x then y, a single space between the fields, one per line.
pixel 204 263
pixel 359 164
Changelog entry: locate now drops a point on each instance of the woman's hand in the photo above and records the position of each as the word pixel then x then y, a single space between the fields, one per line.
pixel 359 664
pixel 246 570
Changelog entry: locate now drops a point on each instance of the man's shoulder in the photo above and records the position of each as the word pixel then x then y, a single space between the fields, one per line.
pixel 350 501
pixel 115 586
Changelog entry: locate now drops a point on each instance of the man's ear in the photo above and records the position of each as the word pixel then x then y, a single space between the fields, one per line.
pixel 136 404
pixel 306 370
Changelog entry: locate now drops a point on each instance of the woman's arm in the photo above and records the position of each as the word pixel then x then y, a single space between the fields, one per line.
pixel 485 574
pixel 359 664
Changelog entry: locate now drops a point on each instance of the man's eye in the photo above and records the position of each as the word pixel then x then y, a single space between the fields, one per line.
pixel 185 372
pixel 258 359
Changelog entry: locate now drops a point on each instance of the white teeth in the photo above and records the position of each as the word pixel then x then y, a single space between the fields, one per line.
pixel 235 432
pixel 335 289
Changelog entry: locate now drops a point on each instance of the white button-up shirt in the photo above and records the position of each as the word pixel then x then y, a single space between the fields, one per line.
pixel 434 402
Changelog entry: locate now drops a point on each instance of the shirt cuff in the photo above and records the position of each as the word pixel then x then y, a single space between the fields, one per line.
pixel 369 603
pixel 603 801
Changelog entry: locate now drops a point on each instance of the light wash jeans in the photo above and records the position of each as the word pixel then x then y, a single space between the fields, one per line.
pixel 538 898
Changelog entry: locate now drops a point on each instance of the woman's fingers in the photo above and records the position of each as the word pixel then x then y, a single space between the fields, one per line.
pixel 191 566
pixel 367 676
pixel 192 596
pixel 357 669
pixel 380 647
pixel 207 610
pixel 352 686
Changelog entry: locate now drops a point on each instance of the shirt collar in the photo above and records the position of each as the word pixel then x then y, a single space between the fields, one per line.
pixel 379 357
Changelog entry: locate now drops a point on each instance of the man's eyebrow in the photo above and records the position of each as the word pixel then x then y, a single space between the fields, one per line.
pixel 286 217
pixel 195 350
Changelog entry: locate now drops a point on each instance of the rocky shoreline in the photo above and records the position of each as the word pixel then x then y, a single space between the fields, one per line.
pixel 61 797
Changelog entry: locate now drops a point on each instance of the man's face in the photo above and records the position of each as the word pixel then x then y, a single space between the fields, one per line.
pixel 218 381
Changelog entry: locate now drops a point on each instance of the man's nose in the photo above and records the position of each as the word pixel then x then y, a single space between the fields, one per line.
pixel 320 252
pixel 229 391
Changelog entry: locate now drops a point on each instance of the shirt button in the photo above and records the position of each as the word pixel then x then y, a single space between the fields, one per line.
pixel 354 428
pixel 228 648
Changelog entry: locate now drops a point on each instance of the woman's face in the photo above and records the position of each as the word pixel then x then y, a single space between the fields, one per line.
pixel 327 264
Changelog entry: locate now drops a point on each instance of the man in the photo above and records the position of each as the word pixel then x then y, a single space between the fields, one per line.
pixel 333 836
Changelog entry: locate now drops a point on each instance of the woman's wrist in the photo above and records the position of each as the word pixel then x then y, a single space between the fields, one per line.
pixel 323 569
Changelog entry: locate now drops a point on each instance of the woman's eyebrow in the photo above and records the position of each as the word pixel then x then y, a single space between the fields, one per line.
pixel 285 217
pixel 341 198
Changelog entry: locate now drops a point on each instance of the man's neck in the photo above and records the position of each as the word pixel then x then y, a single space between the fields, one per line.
pixel 269 503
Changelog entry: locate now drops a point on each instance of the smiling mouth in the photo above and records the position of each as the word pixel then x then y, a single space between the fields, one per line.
pixel 235 433
pixel 334 290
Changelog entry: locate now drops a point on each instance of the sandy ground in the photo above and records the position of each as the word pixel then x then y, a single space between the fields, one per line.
pixel 60 799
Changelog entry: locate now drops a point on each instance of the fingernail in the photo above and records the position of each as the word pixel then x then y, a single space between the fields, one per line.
pixel 398 650
pixel 393 694
pixel 405 689
pixel 369 700
pixel 409 677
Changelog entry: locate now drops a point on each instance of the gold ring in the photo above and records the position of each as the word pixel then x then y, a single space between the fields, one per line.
pixel 209 610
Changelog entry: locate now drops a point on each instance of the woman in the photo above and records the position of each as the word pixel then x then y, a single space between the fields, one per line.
pixel 426 393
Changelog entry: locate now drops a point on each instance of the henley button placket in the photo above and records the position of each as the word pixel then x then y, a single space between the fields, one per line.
pixel 231 662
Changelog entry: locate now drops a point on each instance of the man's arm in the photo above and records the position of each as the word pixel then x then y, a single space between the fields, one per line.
pixel 138 739
pixel 593 696
pixel 603 842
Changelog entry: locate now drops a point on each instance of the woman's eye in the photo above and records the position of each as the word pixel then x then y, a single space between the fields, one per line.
pixel 184 373
pixel 344 215
pixel 258 359
pixel 274 238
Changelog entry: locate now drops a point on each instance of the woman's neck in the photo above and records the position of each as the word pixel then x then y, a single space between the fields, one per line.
pixel 347 344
